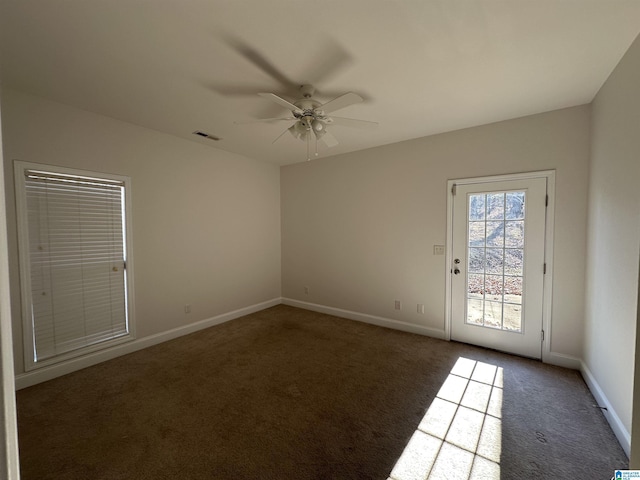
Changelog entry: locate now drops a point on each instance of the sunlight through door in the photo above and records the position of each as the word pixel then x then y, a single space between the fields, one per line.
pixel 460 436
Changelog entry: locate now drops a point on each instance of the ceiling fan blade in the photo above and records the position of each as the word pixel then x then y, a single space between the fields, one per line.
pixel 280 101
pixel 263 120
pixel 341 102
pixel 329 139
pixel 352 122
pixel 330 60
pixel 280 136
pixel 259 60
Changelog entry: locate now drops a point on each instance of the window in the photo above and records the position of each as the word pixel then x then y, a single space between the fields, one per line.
pixel 75 270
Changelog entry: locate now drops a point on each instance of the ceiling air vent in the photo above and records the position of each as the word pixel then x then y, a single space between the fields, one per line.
pixel 206 135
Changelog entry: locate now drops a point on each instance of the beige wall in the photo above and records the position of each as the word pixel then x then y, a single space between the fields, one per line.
pixel 359 229
pixel 206 223
pixel 614 235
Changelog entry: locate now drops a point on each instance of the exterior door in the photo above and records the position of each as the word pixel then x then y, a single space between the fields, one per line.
pixel 498 240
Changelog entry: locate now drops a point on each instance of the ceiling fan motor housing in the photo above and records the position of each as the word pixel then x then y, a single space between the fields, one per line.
pixel 307 104
pixel 308 116
pixel 307 91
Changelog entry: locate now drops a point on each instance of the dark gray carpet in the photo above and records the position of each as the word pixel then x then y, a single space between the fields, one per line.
pixel 291 394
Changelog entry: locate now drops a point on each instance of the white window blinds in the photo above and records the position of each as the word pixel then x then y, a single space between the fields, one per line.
pixel 77 261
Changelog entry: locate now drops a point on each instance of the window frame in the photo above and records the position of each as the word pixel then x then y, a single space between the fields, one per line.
pixel 24 259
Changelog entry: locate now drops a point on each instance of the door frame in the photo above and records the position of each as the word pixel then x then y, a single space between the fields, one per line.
pixel 550 176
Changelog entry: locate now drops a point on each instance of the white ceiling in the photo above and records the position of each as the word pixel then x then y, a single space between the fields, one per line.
pixel 423 66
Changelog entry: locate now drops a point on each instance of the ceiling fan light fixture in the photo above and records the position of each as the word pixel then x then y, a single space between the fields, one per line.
pixel 299 130
pixel 307 121
pixel 317 126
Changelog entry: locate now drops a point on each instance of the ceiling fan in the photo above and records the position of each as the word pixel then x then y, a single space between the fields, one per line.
pixel 310 117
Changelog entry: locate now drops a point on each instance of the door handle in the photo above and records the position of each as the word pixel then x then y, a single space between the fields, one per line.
pixel 456 270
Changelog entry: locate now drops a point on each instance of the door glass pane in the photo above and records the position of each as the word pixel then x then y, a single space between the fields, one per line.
pixel 476 234
pixel 494 287
pixel 495 252
pixel 495 261
pixel 513 290
pixel 492 314
pixel 475 314
pixel 495 234
pixel 514 234
pixel 512 317
pixel 513 261
pixel 514 206
pixel 476 260
pixel 475 288
pixel 476 207
pixel 495 206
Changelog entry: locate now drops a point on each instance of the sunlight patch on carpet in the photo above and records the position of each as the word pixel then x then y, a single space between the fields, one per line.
pixel 460 436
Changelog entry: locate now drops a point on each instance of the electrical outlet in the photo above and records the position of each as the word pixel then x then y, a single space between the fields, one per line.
pixel 421 308
pixel 438 249
pixel 306 290
pixel 398 305
pixel 187 308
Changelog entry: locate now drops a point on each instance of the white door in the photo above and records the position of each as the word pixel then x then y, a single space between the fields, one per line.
pixel 498 235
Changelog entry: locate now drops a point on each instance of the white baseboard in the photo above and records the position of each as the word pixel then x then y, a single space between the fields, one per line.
pixel 366 318
pixel 562 360
pixel 34 377
pixel 624 437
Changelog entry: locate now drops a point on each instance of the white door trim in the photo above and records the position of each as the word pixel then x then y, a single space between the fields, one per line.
pixel 550 176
